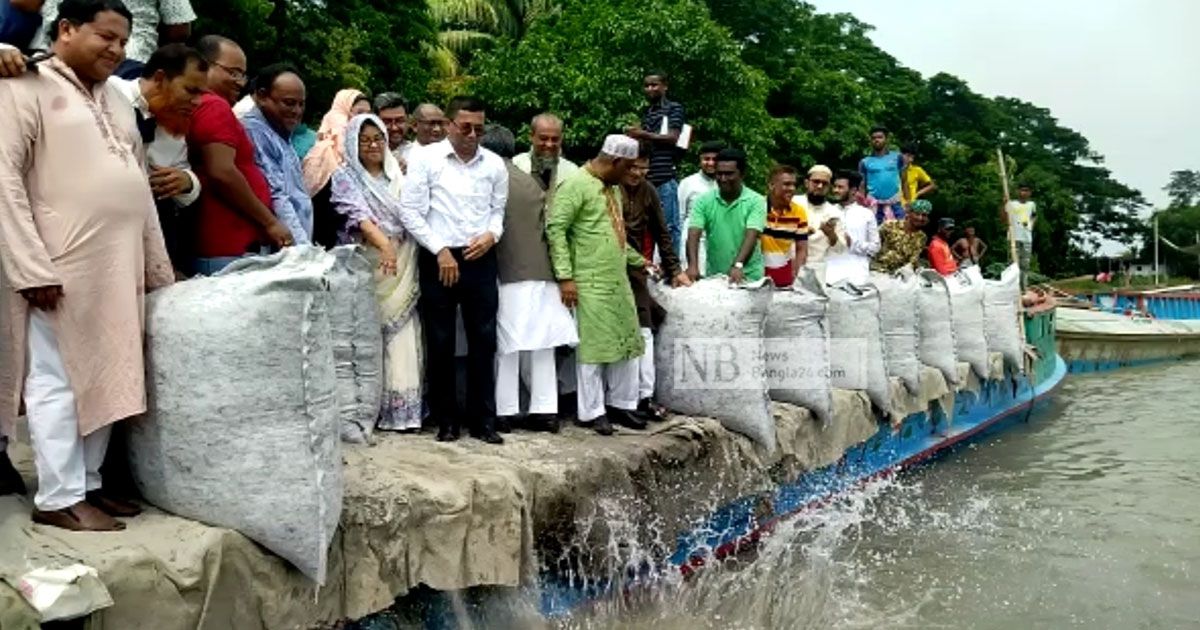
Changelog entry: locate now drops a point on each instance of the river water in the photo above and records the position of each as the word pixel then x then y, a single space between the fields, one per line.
pixel 1088 516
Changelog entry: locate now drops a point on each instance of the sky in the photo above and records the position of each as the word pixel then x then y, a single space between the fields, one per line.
pixel 1124 74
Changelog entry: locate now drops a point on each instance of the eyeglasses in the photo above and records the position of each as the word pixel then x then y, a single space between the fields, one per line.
pixel 432 123
pixel 234 73
pixel 371 142
pixel 467 129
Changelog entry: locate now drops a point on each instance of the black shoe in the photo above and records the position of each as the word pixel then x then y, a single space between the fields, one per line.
pixel 488 436
pixel 567 407
pixel 10 479
pixel 505 424
pixel 649 411
pixel 447 434
pixel 602 426
pixel 544 422
pixel 628 419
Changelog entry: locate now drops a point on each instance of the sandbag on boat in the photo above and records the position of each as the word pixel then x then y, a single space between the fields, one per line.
pixel 797 351
pixel 1003 330
pixel 966 302
pixel 241 428
pixel 935 345
pixel 856 342
pixel 709 355
pixel 899 323
pixel 357 342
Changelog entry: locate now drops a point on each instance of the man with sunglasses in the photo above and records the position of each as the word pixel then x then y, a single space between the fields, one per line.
pixel 453 204
pixel 429 127
pixel 279 97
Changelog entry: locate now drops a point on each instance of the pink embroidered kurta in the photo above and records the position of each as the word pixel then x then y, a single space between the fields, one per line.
pixel 76 211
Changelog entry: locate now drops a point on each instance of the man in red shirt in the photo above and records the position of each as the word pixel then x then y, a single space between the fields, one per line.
pixel 941 258
pixel 235 217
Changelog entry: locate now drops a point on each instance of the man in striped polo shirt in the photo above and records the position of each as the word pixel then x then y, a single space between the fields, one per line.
pixel 661 125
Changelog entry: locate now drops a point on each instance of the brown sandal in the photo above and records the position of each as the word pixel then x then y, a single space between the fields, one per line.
pixel 80 517
pixel 112 505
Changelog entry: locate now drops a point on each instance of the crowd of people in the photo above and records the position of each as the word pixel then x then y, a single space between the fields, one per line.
pixel 111 187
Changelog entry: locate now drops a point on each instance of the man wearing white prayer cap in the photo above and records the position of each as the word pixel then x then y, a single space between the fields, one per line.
pixel 830 238
pixel 591 258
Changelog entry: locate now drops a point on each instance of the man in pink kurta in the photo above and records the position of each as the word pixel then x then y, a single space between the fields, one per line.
pixel 80 245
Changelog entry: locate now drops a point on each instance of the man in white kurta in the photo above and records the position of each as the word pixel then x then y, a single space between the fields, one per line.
pixel 830 238
pixel 79 246
pixel 531 320
pixel 853 265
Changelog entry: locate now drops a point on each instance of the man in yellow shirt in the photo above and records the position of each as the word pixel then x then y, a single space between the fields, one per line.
pixel 918 183
pixel 784 241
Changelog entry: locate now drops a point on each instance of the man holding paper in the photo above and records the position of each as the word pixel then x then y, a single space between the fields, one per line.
pixel 664 127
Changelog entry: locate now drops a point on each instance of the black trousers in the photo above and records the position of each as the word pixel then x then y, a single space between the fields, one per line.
pixel 477 294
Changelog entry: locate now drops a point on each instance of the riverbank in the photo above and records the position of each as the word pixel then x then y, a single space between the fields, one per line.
pixel 453 516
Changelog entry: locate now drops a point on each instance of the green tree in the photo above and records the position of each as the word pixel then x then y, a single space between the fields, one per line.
pixel 373 45
pixel 586 63
pixel 1184 189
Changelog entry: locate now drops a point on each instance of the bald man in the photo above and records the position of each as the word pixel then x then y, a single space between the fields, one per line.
pixel 544 160
pixel 430 123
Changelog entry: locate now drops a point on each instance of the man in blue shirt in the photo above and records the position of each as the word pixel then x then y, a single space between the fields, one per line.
pixel 279 106
pixel 20 21
pixel 881 177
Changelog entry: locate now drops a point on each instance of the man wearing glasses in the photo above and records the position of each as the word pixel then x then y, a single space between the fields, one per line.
pixel 429 123
pixel 279 98
pixel 235 217
pixel 453 204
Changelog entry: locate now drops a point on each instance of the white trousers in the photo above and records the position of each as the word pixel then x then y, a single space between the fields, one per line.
pixel 646 367
pixel 537 369
pixel 611 384
pixel 68 464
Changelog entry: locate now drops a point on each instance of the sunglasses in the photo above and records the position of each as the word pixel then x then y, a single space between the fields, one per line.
pixel 468 129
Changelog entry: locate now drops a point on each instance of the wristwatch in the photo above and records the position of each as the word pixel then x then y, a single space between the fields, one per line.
pixel 738 265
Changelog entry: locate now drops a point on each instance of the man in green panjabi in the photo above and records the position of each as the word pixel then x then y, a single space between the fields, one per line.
pixel 591 258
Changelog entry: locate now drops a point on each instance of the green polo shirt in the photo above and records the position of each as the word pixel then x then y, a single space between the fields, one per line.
pixel 725 226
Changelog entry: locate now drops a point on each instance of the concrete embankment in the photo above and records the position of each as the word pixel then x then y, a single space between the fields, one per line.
pixel 449 516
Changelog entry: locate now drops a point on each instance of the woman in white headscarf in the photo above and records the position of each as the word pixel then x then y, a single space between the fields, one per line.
pixel 366 189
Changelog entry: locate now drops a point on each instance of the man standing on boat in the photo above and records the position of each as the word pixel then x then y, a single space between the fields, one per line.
pixel 862 232
pixel 1020 216
pixel 591 256
pixel 696 185
pixel 730 219
pixel 881 172
pixel 544 160
pixel 531 320
pixel 785 239
pixel 830 237
pixel 662 123
pixel 941 258
pixel 969 249
pixel 902 241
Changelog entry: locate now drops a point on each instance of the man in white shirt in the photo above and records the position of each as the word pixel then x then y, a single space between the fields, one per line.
pixel 1020 216
pixel 453 204
pixel 830 237
pixel 695 185
pixel 172 82
pixel 429 127
pixel 544 159
pixel 862 232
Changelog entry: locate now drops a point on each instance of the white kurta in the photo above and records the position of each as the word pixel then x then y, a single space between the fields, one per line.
pixel 854 265
pixel 531 316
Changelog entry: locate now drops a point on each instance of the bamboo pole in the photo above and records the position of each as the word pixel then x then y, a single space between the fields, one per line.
pixel 1012 252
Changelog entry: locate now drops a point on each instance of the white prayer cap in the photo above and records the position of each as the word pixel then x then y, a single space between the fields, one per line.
pixel 620 146
pixel 820 169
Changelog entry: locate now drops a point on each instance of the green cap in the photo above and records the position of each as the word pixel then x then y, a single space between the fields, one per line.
pixel 920 206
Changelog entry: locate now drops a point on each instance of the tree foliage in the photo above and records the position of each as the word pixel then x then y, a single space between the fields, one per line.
pixel 373 45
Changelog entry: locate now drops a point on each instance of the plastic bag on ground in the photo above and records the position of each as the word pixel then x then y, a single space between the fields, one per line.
pixel 899 322
pixel 709 355
pixel 357 342
pixel 935 344
pixel 966 301
pixel 797 351
pixel 1003 329
pixel 856 342
pixel 241 429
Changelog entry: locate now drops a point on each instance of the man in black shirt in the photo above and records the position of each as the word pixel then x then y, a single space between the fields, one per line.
pixel 661 125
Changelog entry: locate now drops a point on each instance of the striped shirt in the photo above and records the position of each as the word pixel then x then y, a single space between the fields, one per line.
pixel 662 156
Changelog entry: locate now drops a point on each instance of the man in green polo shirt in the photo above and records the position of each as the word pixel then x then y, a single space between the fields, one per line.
pixel 730 218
